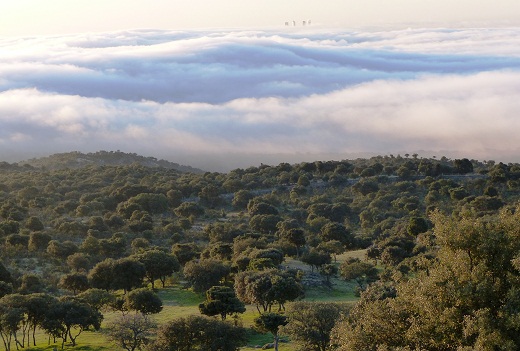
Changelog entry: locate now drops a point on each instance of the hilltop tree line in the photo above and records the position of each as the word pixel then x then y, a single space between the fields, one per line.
pixel 78 242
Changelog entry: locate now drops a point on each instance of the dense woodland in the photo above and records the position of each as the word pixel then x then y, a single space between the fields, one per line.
pixel 440 268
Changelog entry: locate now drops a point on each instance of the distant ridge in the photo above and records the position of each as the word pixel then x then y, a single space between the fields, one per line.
pixel 76 159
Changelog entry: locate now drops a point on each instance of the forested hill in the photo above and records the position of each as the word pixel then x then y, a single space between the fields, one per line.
pixel 417 253
pixel 77 159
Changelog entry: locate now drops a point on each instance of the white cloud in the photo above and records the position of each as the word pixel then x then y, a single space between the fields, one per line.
pixel 171 93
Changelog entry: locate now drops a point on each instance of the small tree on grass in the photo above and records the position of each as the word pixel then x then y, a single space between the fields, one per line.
pixel 328 270
pixel 362 273
pixel 265 288
pixel 316 258
pixel 221 300
pixel 270 322
pixel 131 331
pixel 158 265
pixel 68 319
pixel 144 301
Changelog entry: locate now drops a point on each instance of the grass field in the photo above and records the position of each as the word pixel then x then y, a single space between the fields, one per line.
pixel 180 302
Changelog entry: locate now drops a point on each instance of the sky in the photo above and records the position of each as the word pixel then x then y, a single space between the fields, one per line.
pixel 32 17
pixel 225 84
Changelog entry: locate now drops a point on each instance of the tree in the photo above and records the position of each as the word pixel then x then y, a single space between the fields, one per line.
pixel 158 265
pixel 10 320
pixel 61 249
pixel 264 223
pixel 144 301
pixel 253 288
pixel 337 231
pixel 261 208
pixel 311 323
pixel 329 270
pixel 10 226
pixel 128 273
pixel 198 333
pixel 5 275
pixel 97 223
pixel 284 288
pixel 222 232
pixel 295 236
pixel 90 245
pixel 218 251
pixel 209 195
pixel 152 203
pixel 31 283
pixel 363 273
pixel 417 225
pixel 38 241
pixel 265 288
pixel 36 308
pixel 189 209
pixel 241 199
pixel 131 331
pixel 140 221
pixel 204 274
pixel 367 185
pixel 13 318
pixel 466 300
pixel 17 240
pixel 270 322
pixel 276 256
pixel 221 300
pixel 34 224
pixel 463 166
pixel 334 247
pixel 260 264
pixel 174 197
pixel 74 282
pixel 79 262
pixel 316 258
pixel 185 252
pixel 67 317
pixel 98 299
pixel 101 275
pixel 5 288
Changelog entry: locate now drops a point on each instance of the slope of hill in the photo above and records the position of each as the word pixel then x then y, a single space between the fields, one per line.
pixel 76 159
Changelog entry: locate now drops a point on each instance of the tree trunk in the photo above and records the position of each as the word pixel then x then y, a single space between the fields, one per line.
pixel 34 335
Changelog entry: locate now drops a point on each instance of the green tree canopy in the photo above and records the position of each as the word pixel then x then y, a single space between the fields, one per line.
pixel 158 265
pixel 222 301
pixel 467 300
pixel 311 323
pixel 270 322
pixel 197 333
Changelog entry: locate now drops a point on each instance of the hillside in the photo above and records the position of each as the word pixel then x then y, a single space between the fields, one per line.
pixel 384 231
pixel 76 159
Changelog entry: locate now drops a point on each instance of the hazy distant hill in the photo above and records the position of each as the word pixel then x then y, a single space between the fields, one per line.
pixel 76 159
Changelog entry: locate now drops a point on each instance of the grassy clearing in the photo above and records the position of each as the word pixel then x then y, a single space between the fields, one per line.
pixel 87 341
pixel 361 254
pixel 179 302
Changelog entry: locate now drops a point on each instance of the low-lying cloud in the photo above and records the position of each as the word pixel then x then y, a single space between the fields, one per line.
pixel 177 95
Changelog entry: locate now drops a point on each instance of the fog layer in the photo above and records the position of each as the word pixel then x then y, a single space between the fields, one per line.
pixel 219 100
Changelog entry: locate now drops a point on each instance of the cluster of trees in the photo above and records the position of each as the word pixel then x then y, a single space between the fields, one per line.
pixel 105 237
pixel 466 299
pixel 64 319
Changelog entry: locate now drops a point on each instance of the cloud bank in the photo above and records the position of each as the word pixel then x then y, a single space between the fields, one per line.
pixel 237 96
